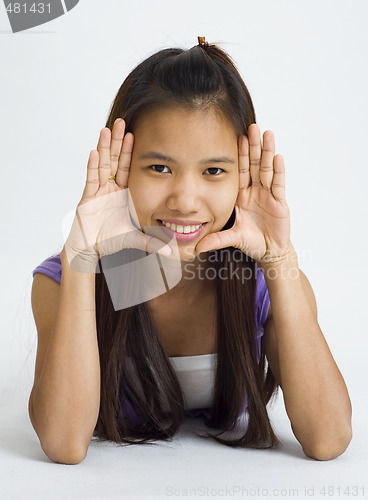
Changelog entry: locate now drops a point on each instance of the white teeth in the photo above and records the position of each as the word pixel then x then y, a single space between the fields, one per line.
pixel 181 229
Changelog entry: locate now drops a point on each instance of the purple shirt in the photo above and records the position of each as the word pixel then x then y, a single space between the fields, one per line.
pixel 52 268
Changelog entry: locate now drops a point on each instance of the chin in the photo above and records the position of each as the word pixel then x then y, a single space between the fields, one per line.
pixel 185 254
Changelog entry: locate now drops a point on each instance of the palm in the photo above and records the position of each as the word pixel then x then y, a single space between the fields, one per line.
pixel 103 222
pixel 263 220
pixel 262 223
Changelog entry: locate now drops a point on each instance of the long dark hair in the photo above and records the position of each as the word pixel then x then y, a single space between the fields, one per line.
pixel 196 78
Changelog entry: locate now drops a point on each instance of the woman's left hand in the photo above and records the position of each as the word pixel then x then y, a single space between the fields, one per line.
pixel 262 217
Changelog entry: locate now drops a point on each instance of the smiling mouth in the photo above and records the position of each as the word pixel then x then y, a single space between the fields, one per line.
pixel 180 228
pixel 182 233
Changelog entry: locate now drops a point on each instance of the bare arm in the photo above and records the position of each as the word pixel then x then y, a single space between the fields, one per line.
pixel 316 398
pixel 65 400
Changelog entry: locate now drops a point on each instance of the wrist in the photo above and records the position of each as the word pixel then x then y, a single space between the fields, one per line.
pixel 287 259
pixel 80 262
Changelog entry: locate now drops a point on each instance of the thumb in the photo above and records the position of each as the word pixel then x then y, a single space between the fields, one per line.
pixel 154 245
pixel 215 241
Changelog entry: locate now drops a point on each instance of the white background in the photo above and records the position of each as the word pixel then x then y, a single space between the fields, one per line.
pixel 305 65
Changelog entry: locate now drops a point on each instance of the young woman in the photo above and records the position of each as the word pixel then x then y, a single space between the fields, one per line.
pixel 181 176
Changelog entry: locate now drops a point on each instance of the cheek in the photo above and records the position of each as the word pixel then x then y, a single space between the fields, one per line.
pixel 138 190
pixel 227 195
pixel 234 191
pixel 137 197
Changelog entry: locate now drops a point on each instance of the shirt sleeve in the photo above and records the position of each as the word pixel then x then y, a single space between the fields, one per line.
pixel 51 267
pixel 262 304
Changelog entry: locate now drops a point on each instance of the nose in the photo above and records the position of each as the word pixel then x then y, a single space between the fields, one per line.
pixel 184 195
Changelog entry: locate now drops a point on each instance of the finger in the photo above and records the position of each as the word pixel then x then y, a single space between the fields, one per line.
pixel 278 181
pixel 149 244
pixel 103 147
pixel 255 151
pixel 268 152
pixel 215 241
pixel 125 159
pixel 92 182
pixel 244 173
pixel 117 135
pixel 154 245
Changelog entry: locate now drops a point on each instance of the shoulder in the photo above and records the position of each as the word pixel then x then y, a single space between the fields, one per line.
pixel 50 267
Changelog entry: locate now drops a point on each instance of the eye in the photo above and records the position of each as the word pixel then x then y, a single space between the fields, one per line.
pixel 159 166
pixel 215 168
pixel 212 170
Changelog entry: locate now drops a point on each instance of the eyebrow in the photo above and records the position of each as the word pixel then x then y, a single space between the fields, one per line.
pixel 159 156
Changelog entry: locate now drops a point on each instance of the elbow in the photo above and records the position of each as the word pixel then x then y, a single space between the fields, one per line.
pixel 322 450
pixel 70 455
pixel 64 453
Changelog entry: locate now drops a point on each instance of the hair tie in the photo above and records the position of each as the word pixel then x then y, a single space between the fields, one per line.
pixel 202 43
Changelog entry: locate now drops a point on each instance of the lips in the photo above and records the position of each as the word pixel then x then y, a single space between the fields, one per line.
pixel 182 237
pixel 178 223
pixel 182 222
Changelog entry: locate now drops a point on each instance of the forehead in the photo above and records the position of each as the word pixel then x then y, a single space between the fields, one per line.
pixel 180 126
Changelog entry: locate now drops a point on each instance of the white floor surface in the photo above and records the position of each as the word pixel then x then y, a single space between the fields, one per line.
pixel 188 466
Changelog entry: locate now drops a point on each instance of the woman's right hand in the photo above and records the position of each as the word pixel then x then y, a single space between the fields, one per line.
pixel 102 224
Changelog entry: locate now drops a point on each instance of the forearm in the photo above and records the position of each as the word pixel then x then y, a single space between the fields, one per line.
pixel 66 400
pixel 316 398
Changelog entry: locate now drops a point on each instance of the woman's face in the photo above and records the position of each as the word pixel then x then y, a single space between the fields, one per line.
pixel 184 171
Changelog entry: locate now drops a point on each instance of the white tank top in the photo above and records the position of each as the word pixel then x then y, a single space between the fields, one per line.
pixel 196 375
